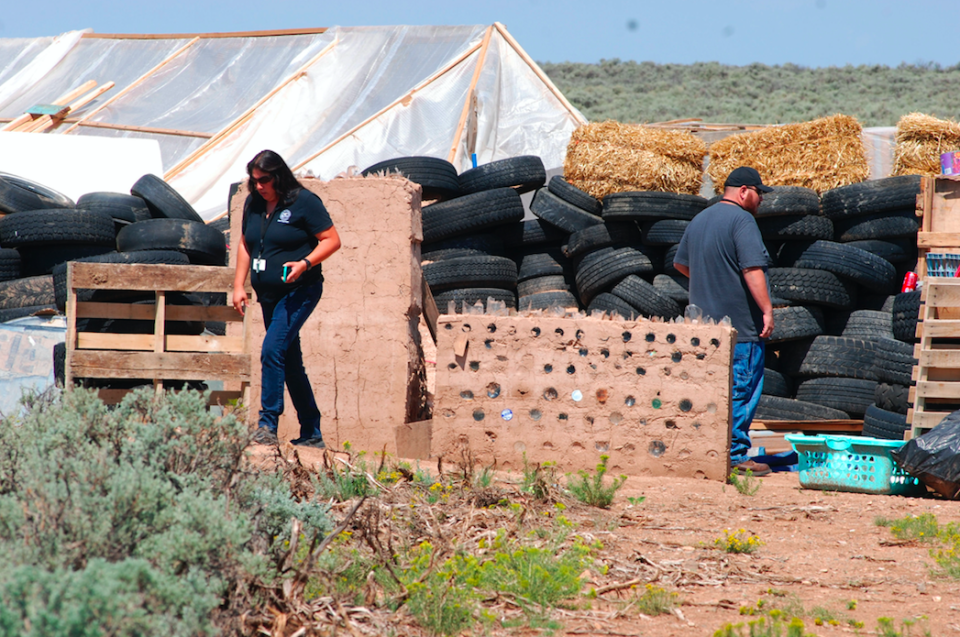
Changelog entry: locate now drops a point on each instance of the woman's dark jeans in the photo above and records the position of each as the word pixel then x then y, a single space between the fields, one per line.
pixel 282 361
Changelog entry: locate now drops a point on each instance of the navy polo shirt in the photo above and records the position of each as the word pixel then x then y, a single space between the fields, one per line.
pixel 288 235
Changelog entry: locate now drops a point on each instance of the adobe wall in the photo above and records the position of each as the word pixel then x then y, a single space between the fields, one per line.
pixel 361 345
pixel 653 396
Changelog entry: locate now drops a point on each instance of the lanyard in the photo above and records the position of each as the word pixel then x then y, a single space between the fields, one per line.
pixel 265 221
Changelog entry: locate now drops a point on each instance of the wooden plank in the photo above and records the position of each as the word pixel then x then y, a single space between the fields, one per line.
pixel 205 36
pixel 139 312
pixel 430 311
pixel 930 389
pixel 127 342
pixel 939 358
pixel 468 102
pixel 43 123
pixel 938 239
pixel 942 293
pixel 807 425
pixel 928 420
pixel 939 328
pixel 204 343
pixel 245 116
pixel 140 129
pixel 173 278
pixel 63 100
pixel 135 83
pixel 169 366
pixel 173 342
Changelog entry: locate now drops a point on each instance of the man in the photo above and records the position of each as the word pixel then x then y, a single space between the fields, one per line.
pixel 723 255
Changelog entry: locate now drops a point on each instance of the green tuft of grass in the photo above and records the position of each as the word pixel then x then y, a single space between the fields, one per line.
pixel 746 485
pixel 591 490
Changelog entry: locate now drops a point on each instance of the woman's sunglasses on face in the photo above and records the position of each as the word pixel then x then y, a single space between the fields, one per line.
pixel 263 181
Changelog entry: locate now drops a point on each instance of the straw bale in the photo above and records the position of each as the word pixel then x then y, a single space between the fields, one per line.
pixel 920 141
pixel 822 154
pixel 609 157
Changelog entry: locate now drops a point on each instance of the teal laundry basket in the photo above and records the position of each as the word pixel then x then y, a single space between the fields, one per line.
pixel 852 463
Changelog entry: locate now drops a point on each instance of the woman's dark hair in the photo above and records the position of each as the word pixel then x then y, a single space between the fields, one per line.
pixel 284 182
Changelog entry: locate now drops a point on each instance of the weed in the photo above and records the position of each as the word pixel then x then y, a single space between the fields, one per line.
pixel 822 615
pixel 739 542
pixel 591 490
pixel 655 601
pixel 483 479
pixel 748 485
pixel 772 626
pixel 537 480
pixel 636 501
pixel 346 480
pixel 923 528
pixel 886 627
pixel 882 521
pixel 852 604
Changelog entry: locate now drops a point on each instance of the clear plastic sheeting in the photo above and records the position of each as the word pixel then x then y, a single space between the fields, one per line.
pixel 326 101
pixel 26 357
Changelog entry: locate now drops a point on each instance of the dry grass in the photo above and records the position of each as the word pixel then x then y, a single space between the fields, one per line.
pixel 920 141
pixel 609 157
pixel 822 154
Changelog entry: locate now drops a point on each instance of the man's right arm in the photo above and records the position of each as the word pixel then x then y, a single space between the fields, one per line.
pixel 682 269
pixel 757 284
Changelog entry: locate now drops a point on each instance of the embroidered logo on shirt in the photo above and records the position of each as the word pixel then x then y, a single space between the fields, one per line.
pixel 284 217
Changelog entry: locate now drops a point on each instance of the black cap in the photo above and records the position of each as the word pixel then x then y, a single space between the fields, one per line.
pixel 746 176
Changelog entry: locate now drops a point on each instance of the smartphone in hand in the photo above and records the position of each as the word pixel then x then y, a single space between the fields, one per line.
pixel 286 271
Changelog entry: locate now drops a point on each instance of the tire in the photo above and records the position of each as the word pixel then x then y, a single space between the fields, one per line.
pixel 853 264
pixel 57 227
pixel 202 244
pixel 40 260
pixel 906 311
pixel 876 302
pixel 463 246
pixel 18 194
pixel 796 322
pixel 610 304
pixel 809 227
pixel 894 361
pixel 895 251
pixel 9 264
pixel 668 261
pixel 531 232
pixel 523 173
pixel 574 196
pixel 562 214
pixel 122 208
pixel 888 225
pixel 869 197
pixel 59 363
pixel 892 397
pixel 833 356
pixel 437 177
pixel 650 206
pixel 776 408
pixel 886 425
pixel 470 214
pixel 665 232
pixel 542 284
pixel 28 292
pixel 775 384
pixel 541 264
pixel 163 201
pixel 20 312
pixel 807 286
pixel 789 200
pixel 675 286
pixel 869 324
pixel 155 257
pixel 645 298
pixel 471 272
pixel 547 300
pixel 137 326
pixel 470 296
pixel 604 235
pixel 851 395
pixel 601 270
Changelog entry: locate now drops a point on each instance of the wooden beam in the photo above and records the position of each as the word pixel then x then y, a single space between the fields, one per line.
pixel 468 102
pixel 930 389
pixel 539 73
pixel 63 100
pixel 49 121
pixel 245 117
pixel 404 99
pixel 808 425
pixel 173 278
pixel 135 83
pixel 204 36
pixel 172 342
pixel 938 239
pixel 169 366
pixel 140 129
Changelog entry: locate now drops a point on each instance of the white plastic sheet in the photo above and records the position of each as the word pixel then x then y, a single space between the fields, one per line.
pixel 41 64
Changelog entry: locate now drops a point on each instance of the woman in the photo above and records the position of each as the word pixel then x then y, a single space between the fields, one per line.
pixel 286 234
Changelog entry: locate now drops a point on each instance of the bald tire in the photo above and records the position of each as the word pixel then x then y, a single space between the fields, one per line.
pixel 887 225
pixel 676 286
pixel 554 283
pixel 883 424
pixel 471 272
pixel 523 173
pixel 202 244
pixel 18 194
pixel 573 195
pixel 650 206
pixel 664 232
pixel 162 200
pixel 562 214
pixel 869 197
pixel 777 408
pixel 437 177
pixel 906 311
pixel 601 270
pixel 789 200
pixel 541 264
pixel 833 356
pixel 775 384
pixel 471 214
pixel 605 235
pixel 853 264
pixel 851 395
pixel 610 304
pixel 645 298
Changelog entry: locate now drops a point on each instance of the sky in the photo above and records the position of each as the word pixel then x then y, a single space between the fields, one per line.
pixel 811 33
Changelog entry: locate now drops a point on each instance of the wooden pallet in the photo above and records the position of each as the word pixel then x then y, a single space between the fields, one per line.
pixel 937 373
pixel 158 356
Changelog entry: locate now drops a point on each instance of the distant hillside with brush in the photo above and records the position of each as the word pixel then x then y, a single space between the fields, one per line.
pixel 756 94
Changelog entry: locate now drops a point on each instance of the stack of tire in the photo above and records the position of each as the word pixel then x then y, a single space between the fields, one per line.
pixel 833 354
pixel 464 252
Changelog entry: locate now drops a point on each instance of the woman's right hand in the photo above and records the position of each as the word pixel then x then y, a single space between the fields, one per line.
pixel 240 300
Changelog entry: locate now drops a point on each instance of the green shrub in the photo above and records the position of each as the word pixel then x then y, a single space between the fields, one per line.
pixel 591 490
pixel 141 519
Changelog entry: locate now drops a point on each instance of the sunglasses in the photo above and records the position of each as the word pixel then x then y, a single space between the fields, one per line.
pixel 263 181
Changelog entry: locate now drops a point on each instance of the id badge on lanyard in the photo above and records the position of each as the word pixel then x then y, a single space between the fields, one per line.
pixel 259 264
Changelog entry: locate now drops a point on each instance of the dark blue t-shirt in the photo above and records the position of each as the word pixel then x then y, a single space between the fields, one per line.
pixel 289 234
pixel 717 246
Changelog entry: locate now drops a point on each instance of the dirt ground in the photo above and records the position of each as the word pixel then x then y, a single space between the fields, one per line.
pixel 822 555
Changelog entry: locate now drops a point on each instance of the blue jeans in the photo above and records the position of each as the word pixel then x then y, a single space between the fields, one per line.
pixel 748 361
pixel 281 360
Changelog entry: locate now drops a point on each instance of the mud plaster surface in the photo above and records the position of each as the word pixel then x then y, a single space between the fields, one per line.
pixel 654 397
pixel 361 346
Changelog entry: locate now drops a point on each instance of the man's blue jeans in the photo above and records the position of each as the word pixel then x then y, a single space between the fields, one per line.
pixel 282 361
pixel 748 361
